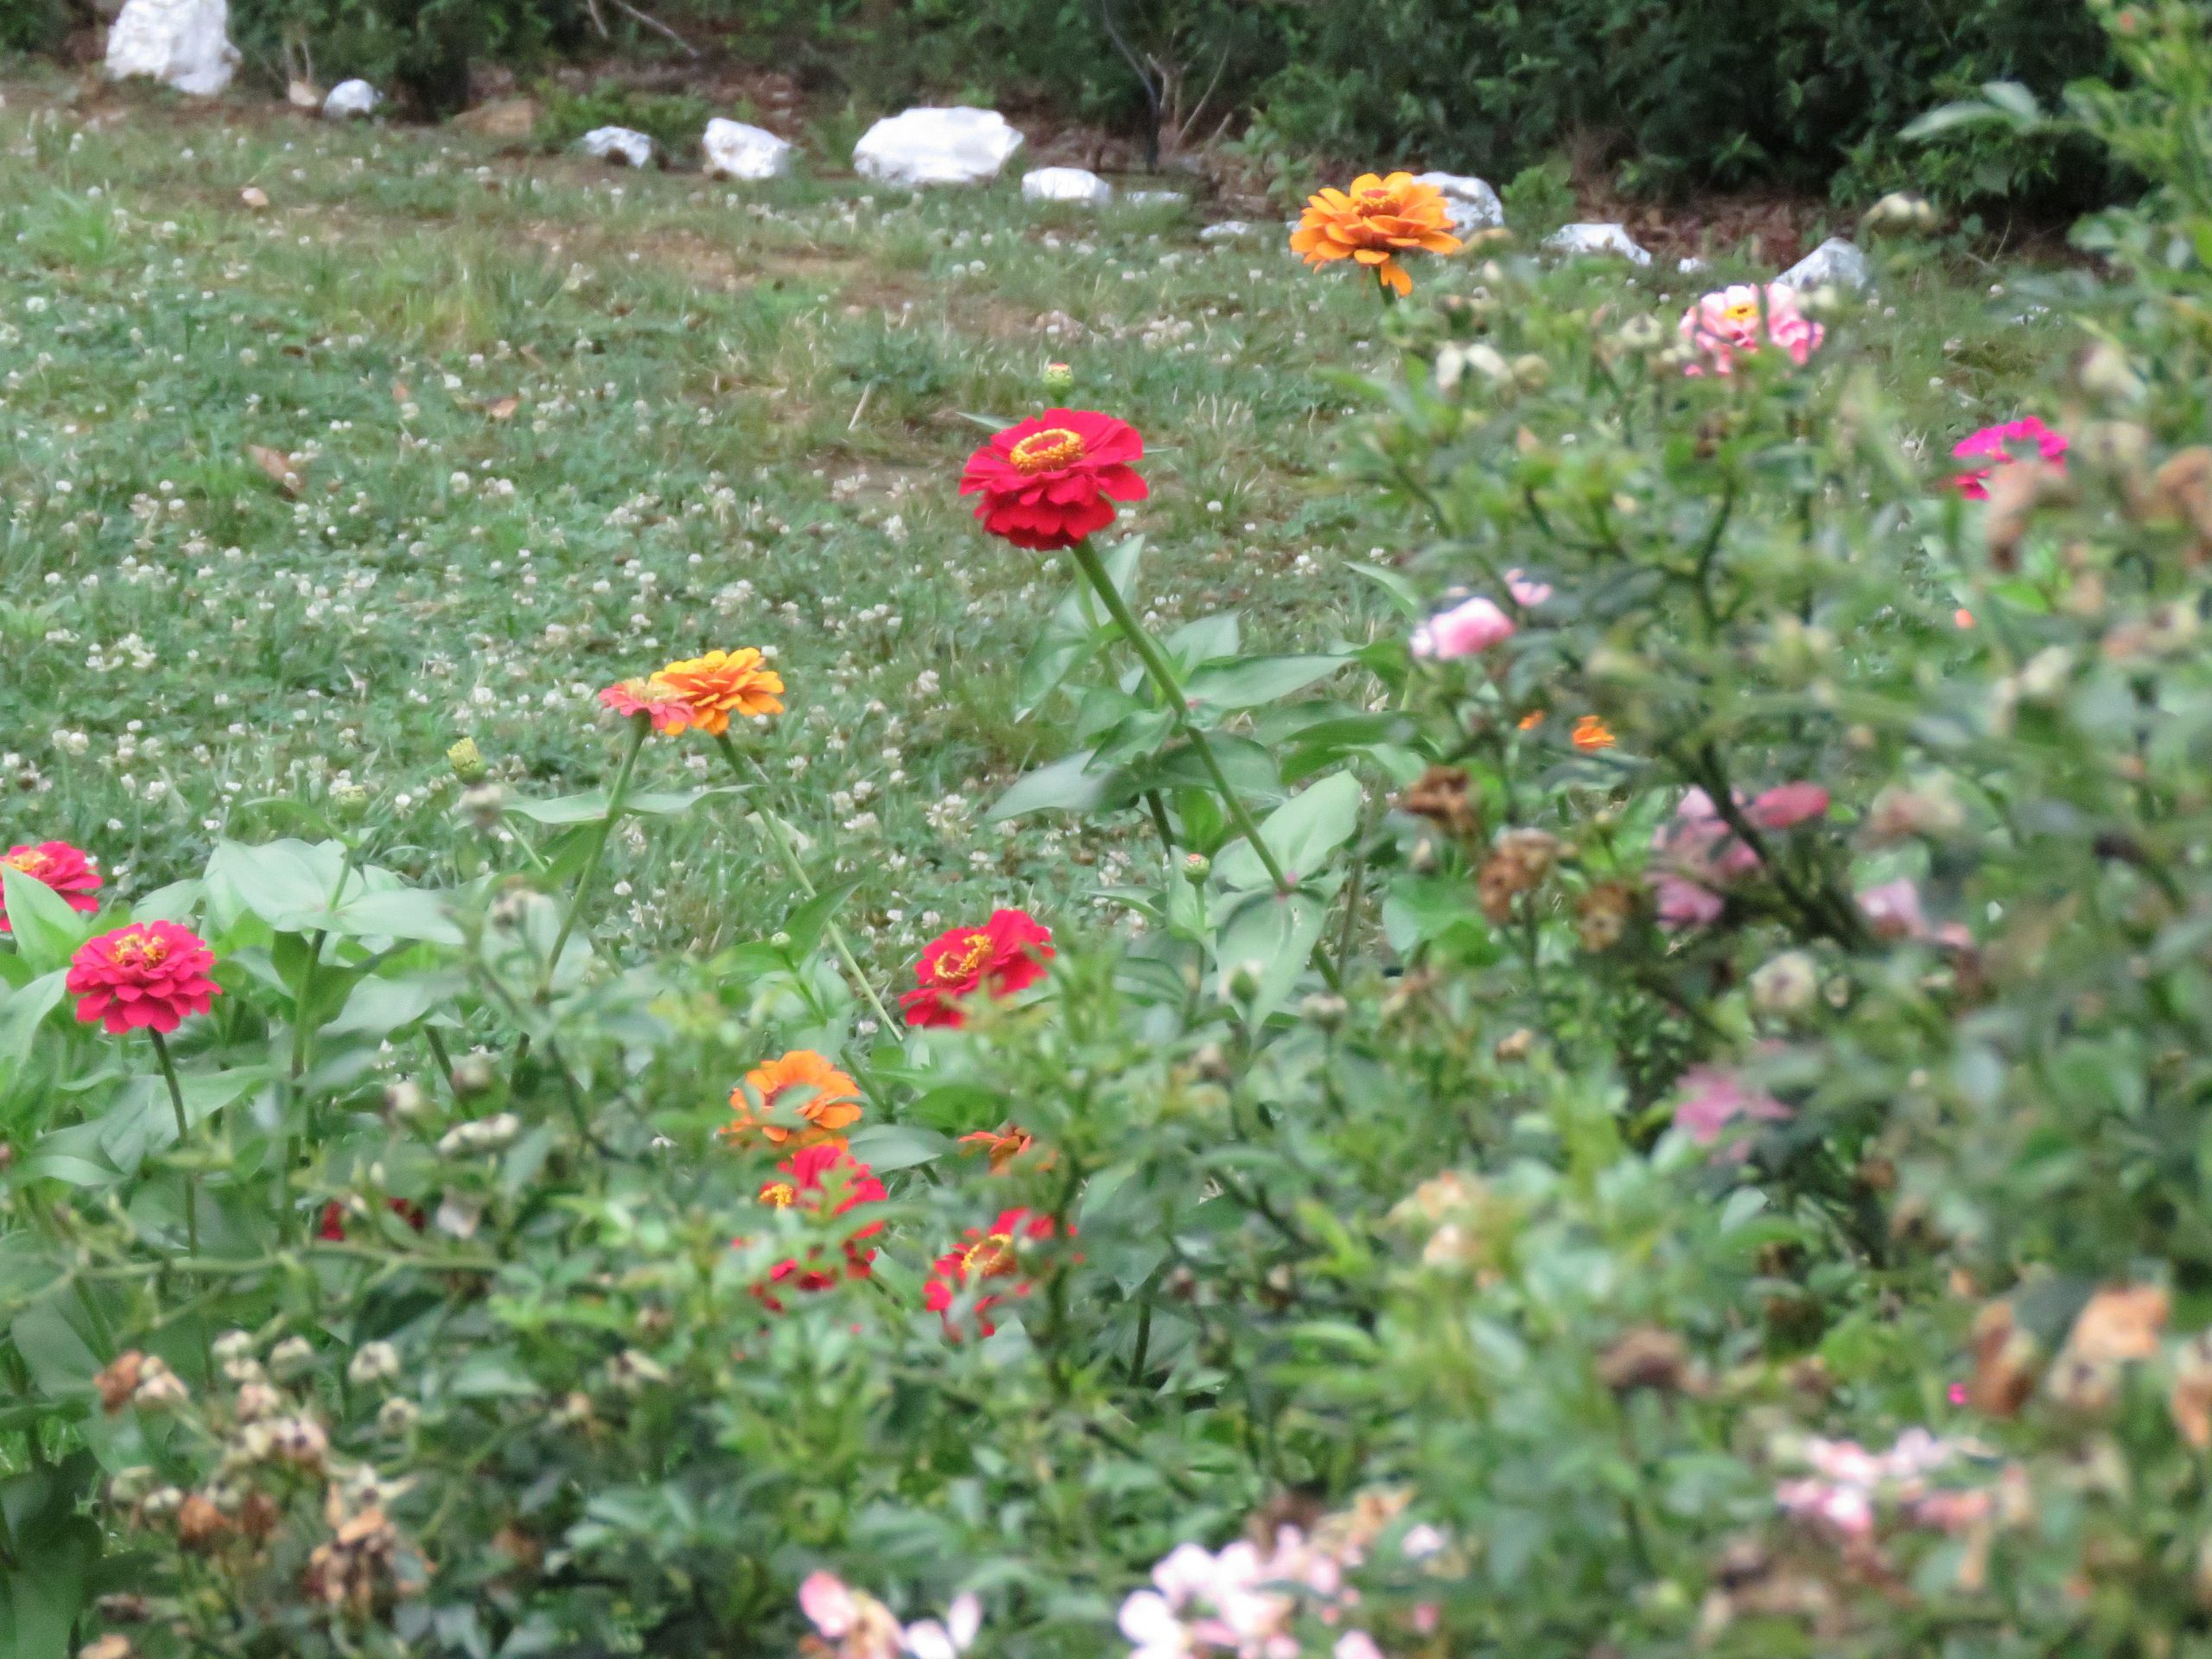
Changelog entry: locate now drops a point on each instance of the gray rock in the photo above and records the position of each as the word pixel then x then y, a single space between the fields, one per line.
pixel 1836 263
pixel 1156 199
pixel 1228 230
pixel 1603 240
pixel 735 150
pixel 623 144
pixel 1472 204
pixel 1074 184
pixel 349 98
pixel 185 43
pixel 921 147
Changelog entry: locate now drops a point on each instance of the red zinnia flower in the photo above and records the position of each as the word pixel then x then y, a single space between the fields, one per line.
pixel 2000 446
pixel 332 1226
pixel 62 868
pixel 987 1254
pixel 1005 955
pixel 825 1181
pixel 651 696
pixel 149 974
pixel 1049 481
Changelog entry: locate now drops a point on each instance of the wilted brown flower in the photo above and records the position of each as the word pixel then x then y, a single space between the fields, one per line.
pixel 1646 1357
pixel 361 1567
pixel 199 1524
pixel 1603 913
pixel 2183 488
pixel 1520 861
pixel 2004 1362
pixel 119 1380
pixel 1441 797
pixel 2015 493
pixel 2190 1400
pixel 2121 1323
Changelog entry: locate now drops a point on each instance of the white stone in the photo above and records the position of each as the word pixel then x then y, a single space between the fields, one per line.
pixel 737 151
pixel 921 147
pixel 622 144
pixel 1228 231
pixel 349 98
pixel 1472 203
pixel 1693 265
pixel 1612 240
pixel 1836 263
pixel 186 43
pixel 1156 199
pixel 1078 184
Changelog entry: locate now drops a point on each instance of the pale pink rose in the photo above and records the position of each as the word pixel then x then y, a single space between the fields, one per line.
pixel 1527 594
pixel 2002 445
pixel 1714 1099
pixel 1787 805
pixel 1743 319
pixel 824 1599
pixel 1892 910
pixel 1464 631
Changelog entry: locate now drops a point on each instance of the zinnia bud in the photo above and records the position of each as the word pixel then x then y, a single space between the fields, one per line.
pixel 466 761
pixel 1244 979
pixel 374 1361
pixel 1058 378
pixel 1788 985
pixel 472 1074
pixel 349 800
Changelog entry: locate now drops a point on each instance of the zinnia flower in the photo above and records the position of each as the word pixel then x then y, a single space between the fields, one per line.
pixel 1004 1146
pixel 61 867
pixel 986 1254
pixel 1005 955
pixel 1051 480
pixel 1373 222
pixel 1714 1098
pixel 1743 318
pixel 150 974
pixel 825 1181
pixel 1465 630
pixel 2002 445
pixel 713 687
pixel 649 695
pixel 1591 734
pixel 825 1097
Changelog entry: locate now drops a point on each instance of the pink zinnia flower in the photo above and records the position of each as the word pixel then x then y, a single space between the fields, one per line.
pixel 62 868
pixel 1787 805
pixel 1893 911
pixel 2002 445
pixel 1745 319
pixel 152 973
pixel 1715 1098
pixel 1464 631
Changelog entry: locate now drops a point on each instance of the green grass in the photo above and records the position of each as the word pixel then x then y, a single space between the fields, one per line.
pixel 741 419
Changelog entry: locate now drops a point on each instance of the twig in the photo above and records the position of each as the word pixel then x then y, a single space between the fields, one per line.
pixel 657 25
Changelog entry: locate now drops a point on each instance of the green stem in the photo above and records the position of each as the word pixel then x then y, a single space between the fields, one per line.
pixel 183 1134
pixel 1163 676
pixel 640 726
pixel 774 829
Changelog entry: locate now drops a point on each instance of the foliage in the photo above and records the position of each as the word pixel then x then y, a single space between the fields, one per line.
pixel 673 120
pixel 1674 1131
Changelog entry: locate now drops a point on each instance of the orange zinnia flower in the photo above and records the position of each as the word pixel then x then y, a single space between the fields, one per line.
pixel 1375 220
pixel 831 1103
pixel 1004 1146
pixel 1592 733
pixel 722 684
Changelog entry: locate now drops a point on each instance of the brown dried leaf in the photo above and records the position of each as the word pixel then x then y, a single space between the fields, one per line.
pixel 277 465
pixel 401 392
pixel 502 409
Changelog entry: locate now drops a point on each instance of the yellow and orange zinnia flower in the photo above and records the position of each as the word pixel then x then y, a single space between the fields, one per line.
pixel 722 684
pixel 1592 733
pixel 1374 221
pixel 831 1102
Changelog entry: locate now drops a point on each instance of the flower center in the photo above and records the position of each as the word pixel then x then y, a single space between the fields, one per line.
pixel 141 951
pixel 30 863
pixel 1049 450
pixel 780 1195
pixel 1742 312
pixel 988 1257
pixel 952 968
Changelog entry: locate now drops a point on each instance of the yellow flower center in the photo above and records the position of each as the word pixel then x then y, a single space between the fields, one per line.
pixel 1376 199
pixel 988 1257
pixel 141 951
pixel 30 863
pixel 1047 451
pixel 780 1195
pixel 1743 311
pixel 951 967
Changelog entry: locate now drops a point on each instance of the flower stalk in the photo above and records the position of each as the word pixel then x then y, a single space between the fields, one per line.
pixel 183 1134
pixel 641 724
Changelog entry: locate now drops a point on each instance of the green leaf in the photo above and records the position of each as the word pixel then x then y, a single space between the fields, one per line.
pixel 174 903
pixel 492 1377
pixel 1402 593
pixel 22 1011
pixel 1258 680
pixel 400 913
pixel 143 1120
pixel 1066 785
pixel 1301 833
pixel 46 930
pixel 379 1007
pixel 1278 934
pixel 42 1599
pixel 885 1146
pixel 1949 117
pixel 811 919
pixel 590 807
pixel 1076 631
pixel 289 884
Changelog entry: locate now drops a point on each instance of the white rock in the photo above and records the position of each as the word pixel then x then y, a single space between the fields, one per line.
pixel 1836 263
pixel 349 98
pixel 623 144
pixel 1156 199
pixel 737 151
pixel 1472 204
pixel 1228 231
pixel 1066 184
pixel 923 146
pixel 184 43
pixel 1693 265
pixel 1612 239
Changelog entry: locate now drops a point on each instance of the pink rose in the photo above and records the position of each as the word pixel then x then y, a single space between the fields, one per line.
pixel 1464 631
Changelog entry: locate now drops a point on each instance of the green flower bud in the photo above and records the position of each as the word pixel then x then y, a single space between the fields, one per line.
pixel 466 761
pixel 1058 378
pixel 349 800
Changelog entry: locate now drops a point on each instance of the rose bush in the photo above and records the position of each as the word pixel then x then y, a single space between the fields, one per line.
pixel 1655 1106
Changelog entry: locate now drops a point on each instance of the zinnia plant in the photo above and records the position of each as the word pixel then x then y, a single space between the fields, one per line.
pixel 1741 320
pixel 801 1082
pixel 1372 223
pixel 984 1270
pixel 1049 481
pixel 61 867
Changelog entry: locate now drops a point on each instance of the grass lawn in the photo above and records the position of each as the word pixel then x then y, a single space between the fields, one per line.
pixel 527 425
